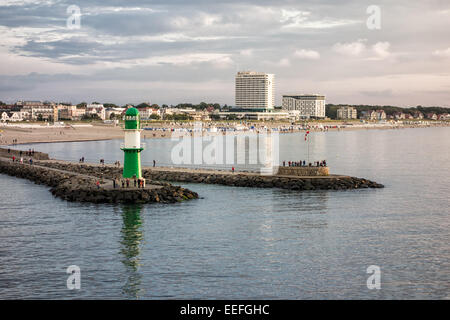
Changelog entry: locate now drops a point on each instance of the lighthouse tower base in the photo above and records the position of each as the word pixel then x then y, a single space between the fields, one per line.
pixel 132 163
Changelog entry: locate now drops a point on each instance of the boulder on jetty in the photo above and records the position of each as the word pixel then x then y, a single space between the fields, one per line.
pixel 73 186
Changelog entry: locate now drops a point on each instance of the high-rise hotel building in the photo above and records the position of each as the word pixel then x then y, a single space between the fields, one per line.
pixel 307 105
pixel 255 91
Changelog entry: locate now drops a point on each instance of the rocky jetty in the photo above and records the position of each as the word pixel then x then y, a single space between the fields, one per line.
pixel 9 153
pixel 259 181
pixel 330 182
pixel 73 186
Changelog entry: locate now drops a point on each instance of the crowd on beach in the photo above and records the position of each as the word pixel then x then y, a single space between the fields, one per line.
pixel 303 163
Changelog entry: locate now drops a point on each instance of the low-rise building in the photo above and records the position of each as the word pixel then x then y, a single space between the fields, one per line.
pixel 373 115
pixel 96 109
pixel 409 116
pixel 432 116
pixel 117 112
pixel 347 113
pixel 11 116
pixel 309 105
pixel 147 112
pixel 380 115
pixel 399 116
pixel 418 115
pixel 68 113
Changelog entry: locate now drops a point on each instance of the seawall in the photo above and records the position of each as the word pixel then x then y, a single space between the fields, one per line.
pixel 303 171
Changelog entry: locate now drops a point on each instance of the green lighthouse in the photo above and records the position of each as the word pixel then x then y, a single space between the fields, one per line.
pixel 132 145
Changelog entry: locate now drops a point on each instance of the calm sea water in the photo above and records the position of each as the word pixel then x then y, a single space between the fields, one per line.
pixel 243 243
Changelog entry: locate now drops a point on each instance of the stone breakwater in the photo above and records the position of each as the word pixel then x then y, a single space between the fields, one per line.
pixel 253 180
pixel 258 181
pixel 72 186
pixel 36 155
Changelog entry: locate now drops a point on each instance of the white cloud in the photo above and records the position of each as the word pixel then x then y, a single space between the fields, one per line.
pixel 284 62
pixel 94 11
pixel 247 52
pixel 350 49
pixel 9 3
pixel 217 59
pixel 307 54
pixel 381 49
pixel 442 53
pixel 293 17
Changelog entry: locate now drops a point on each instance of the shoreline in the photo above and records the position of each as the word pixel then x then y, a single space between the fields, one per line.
pixel 48 134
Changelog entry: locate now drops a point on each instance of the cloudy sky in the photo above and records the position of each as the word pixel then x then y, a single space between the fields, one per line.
pixel 189 51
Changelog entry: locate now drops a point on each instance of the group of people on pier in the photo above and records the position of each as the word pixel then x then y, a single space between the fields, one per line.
pixel 137 182
pixel 21 160
pixel 29 152
pixel 302 163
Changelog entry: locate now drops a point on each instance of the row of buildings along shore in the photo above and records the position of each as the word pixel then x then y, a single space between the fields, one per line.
pixel 49 111
pixel 349 113
pixel 254 100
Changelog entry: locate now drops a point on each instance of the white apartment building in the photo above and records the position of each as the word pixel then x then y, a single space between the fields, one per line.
pixel 70 112
pixel 37 111
pixel 147 112
pixel 116 111
pixel 97 109
pixel 255 90
pixel 347 113
pixel 309 105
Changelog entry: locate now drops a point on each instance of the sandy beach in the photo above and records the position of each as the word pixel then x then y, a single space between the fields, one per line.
pixel 35 133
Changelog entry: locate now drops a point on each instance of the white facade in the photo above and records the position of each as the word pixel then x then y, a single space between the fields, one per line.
pixel 117 112
pixel 5 117
pixel 309 105
pixel 255 90
pixel 46 111
pixel 347 113
pixel 13 116
pixel 97 109
pixel 147 112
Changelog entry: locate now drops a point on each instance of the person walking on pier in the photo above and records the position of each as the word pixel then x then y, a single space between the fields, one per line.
pixel 98 184
pixel 14 158
pixel 154 163
pixel 114 183
pixel 123 184
pixel 128 182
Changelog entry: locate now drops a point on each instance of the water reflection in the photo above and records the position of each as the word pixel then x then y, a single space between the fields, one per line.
pixel 132 237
